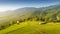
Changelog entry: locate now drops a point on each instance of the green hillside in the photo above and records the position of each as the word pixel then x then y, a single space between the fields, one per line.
pixel 30 20
pixel 32 27
pixel 49 13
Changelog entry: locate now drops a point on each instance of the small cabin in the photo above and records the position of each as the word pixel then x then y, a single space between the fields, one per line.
pixel 18 22
pixel 42 22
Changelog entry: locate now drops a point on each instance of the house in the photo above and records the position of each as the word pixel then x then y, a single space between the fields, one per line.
pixel 42 22
pixel 18 22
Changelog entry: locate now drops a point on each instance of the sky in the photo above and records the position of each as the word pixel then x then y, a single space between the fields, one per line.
pixel 15 4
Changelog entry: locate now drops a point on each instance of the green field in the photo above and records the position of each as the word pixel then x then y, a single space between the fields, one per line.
pixel 32 27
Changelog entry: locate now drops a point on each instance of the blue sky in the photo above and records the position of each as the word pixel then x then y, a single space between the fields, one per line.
pixel 15 4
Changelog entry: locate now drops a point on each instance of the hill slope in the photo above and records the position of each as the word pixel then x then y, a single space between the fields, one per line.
pixel 50 13
pixel 23 13
pixel 32 27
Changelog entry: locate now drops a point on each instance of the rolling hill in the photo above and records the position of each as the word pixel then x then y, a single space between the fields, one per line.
pixel 49 13
pixel 26 12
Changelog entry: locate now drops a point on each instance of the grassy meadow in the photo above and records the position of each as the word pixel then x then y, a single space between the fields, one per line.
pixel 32 27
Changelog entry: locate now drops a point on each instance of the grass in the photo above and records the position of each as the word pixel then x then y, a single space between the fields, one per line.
pixel 12 28
pixel 32 27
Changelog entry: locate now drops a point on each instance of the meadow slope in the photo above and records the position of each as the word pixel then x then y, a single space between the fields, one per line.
pixel 32 27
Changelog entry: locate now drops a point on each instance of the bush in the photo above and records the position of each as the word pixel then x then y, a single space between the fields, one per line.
pixel 3 27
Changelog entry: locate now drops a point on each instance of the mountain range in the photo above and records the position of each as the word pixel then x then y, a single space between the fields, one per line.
pixel 24 13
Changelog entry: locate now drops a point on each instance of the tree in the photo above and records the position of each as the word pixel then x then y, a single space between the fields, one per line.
pixel 37 18
pixel 58 19
pixel 3 27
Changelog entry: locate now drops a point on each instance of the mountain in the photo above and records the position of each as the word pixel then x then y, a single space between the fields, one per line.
pixel 21 13
pixel 50 12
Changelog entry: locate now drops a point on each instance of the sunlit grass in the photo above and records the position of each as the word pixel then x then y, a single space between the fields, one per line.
pixel 32 27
